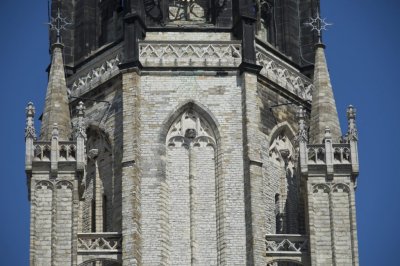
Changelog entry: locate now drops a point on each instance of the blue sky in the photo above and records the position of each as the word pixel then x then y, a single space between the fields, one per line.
pixel 363 58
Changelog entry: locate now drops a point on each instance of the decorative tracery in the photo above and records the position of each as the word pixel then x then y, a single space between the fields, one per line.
pixel 193 188
pixel 282 157
pixel 282 152
pixel 190 129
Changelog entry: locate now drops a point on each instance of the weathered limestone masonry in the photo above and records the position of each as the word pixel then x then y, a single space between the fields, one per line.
pixel 190 133
pixel 54 165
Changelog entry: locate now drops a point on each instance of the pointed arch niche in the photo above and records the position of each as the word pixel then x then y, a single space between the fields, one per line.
pixel 283 175
pixel 99 210
pixel 194 189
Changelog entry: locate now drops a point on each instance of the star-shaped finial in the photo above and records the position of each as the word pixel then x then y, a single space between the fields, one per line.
pixel 318 24
pixel 58 24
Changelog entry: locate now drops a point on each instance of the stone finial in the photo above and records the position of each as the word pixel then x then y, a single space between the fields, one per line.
pixel 81 109
pixel 80 127
pixel 302 134
pixel 30 131
pixel 351 112
pixel 30 110
pixel 328 134
pixel 93 153
pixel 55 132
pixel 352 132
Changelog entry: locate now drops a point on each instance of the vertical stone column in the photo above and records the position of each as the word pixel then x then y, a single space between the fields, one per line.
pixel 131 175
pixel 254 194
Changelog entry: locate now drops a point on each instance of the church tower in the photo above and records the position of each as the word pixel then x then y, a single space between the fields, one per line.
pixel 190 132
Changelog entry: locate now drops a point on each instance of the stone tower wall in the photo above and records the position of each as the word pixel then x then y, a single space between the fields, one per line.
pixel 188 150
pixel 162 96
pixel 52 226
pixel 331 211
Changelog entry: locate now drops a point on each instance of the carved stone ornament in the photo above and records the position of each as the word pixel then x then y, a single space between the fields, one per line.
pixel 284 76
pixel 93 154
pixel 30 131
pixel 153 10
pixel 190 130
pixel 189 55
pixel 286 245
pixel 352 133
pixel 55 133
pixel 64 184
pixel 80 126
pixel 102 73
pixel 331 188
pixel 281 151
pixel 44 184
pixel 109 242
pixel 302 135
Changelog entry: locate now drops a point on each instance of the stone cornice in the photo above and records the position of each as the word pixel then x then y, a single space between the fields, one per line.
pixel 284 74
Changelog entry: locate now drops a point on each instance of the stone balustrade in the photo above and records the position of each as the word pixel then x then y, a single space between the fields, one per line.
pixel 190 54
pixel 341 154
pixel 93 77
pixel 316 154
pixel 42 151
pixel 104 242
pixel 66 151
pixel 286 247
pixel 283 74
pixel 99 247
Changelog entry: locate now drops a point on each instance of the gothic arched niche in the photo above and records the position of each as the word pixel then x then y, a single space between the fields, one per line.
pixel 97 206
pixel 192 190
pixel 283 174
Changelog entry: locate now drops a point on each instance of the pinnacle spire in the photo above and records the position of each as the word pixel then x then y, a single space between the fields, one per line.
pixel 56 109
pixel 323 112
